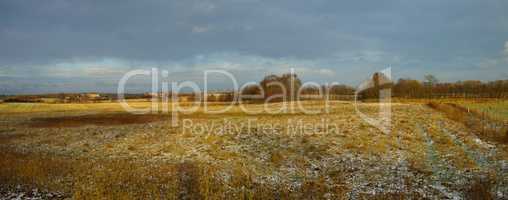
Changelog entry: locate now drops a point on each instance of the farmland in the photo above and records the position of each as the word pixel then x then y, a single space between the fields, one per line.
pixel 496 109
pixel 97 150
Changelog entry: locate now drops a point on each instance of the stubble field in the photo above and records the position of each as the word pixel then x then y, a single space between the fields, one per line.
pixel 93 151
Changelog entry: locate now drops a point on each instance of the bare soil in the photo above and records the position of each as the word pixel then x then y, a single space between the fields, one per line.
pixel 95 119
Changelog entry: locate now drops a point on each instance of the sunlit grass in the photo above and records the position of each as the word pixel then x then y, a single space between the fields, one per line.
pixel 496 109
pixel 154 160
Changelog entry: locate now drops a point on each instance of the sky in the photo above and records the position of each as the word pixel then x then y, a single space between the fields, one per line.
pixel 77 46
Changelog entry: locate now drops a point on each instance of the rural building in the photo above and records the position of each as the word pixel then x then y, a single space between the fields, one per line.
pixel 219 96
pixel 152 94
pixel 92 95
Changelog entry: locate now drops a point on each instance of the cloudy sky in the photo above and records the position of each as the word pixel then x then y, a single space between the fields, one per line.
pixel 70 45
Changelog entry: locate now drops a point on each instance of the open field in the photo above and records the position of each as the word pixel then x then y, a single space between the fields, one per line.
pixel 91 151
pixel 493 108
pixel 496 109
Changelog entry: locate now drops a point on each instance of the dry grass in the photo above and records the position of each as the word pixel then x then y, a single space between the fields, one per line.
pixel 485 127
pixel 480 189
pixel 497 109
pixel 127 179
pixel 115 179
pixel 92 159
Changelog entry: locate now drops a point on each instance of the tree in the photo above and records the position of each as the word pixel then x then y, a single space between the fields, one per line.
pixel 430 79
pixel 251 90
pixel 377 82
pixel 408 88
pixel 429 82
pixel 341 90
pixel 286 86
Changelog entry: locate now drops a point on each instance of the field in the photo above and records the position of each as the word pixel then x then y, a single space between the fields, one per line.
pixel 94 151
pixel 496 109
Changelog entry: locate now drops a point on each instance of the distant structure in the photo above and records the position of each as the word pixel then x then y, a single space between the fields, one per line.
pixel 58 98
pixel 80 98
pixel 92 95
pixel 211 96
pixel 152 94
pixel 220 96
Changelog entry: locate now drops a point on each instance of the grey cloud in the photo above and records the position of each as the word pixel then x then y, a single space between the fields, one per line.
pixel 58 38
pixel 506 48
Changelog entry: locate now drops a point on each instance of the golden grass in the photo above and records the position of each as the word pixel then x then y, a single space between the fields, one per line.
pixel 139 161
pixel 485 127
pixel 126 179
pixel 480 189
pixel 494 109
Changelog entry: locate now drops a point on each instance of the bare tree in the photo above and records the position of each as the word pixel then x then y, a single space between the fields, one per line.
pixel 286 85
pixel 429 82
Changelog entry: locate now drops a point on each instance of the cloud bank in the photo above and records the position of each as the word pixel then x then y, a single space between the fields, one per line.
pixel 325 40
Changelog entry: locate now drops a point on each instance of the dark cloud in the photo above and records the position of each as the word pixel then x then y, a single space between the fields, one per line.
pixel 38 35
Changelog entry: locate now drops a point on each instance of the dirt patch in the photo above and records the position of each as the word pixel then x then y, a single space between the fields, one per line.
pixel 6 138
pixel 96 119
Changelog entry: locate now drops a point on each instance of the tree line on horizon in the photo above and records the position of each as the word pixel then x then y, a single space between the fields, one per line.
pixel 429 87
pixel 288 86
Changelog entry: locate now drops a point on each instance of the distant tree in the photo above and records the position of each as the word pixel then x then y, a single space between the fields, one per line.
pixel 430 79
pixel 429 82
pixel 341 90
pixel 470 88
pixel 278 85
pixel 378 82
pixel 408 88
pixel 312 89
pixel 228 97
pixel 251 90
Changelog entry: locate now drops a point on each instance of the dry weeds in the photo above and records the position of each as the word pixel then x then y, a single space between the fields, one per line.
pixel 152 160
